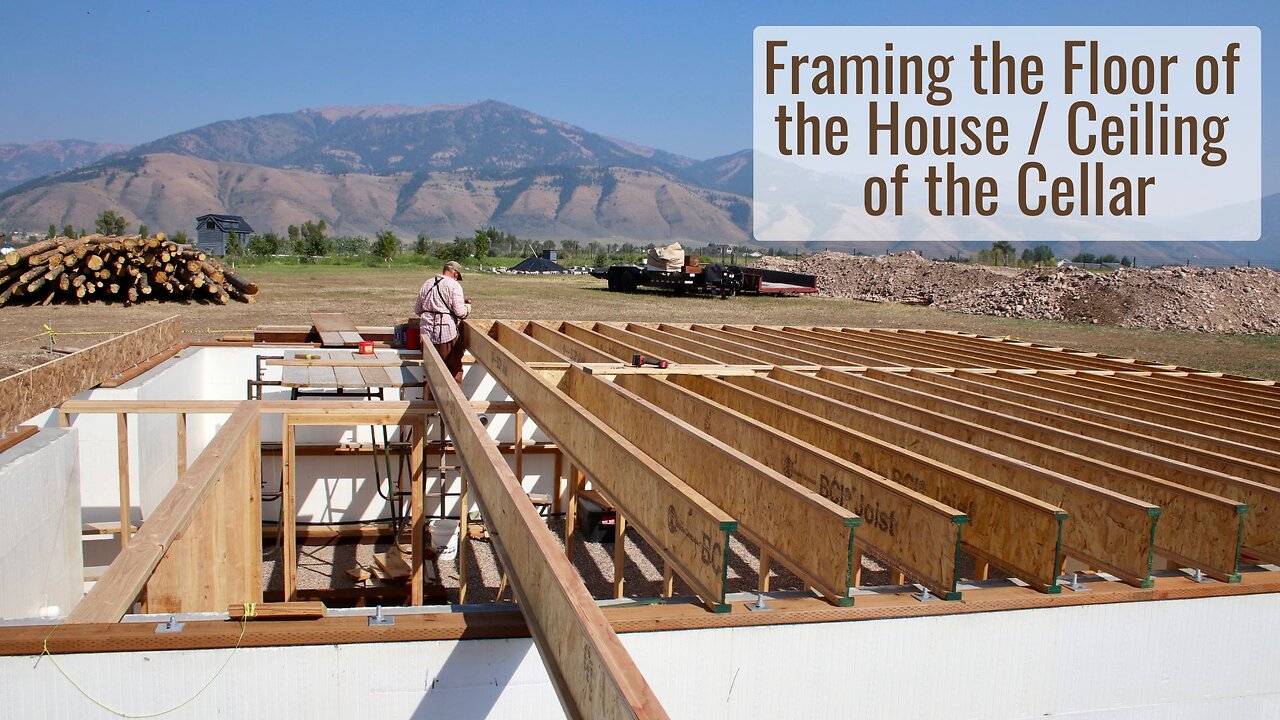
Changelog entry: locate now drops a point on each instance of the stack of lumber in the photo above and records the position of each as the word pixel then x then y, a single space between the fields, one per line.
pixel 125 269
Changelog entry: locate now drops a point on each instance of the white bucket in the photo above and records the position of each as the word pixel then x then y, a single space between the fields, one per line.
pixel 444 537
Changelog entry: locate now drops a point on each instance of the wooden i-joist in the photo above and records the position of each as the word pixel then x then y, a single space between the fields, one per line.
pixel 939 444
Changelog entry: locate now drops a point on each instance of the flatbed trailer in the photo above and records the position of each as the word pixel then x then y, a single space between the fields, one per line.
pixel 712 279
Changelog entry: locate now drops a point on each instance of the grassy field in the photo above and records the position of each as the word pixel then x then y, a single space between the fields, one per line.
pixel 382 296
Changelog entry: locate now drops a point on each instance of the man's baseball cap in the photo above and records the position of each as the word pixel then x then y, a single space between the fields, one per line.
pixel 454 266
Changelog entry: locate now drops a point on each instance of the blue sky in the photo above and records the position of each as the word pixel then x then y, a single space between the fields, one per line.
pixel 671 75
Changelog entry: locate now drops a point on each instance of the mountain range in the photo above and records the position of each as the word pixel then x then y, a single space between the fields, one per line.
pixel 19 163
pixel 444 170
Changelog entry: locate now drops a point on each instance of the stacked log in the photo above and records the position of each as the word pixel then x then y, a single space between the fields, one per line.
pixel 125 269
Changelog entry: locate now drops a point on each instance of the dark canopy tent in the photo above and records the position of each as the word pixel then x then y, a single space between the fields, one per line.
pixel 536 264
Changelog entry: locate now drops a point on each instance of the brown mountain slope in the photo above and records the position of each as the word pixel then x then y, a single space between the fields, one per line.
pixel 168 191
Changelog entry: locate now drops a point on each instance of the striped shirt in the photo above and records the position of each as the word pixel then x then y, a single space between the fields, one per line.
pixel 440 301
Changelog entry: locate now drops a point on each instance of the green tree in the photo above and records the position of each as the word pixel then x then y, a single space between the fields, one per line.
pixel 570 246
pixel 1085 258
pixel 386 245
pixel 235 247
pixel 351 246
pixel 1125 262
pixel 110 222
pixel 481 244
pixel 463 248
pixel 1109 258
pixel 181 237
pixel 314 241
pixel 68 231
pixel 1028 257
pixel 143 230
pixel 53 231
pixel 1003 251
pixel 295 240
pixel 423 245
pixel 265 244
pixel 1042 254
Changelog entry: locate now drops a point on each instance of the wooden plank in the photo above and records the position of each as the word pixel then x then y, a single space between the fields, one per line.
pixel 346 362
pixel 1199 526
pixel 417 519
pixel 593 675
pixel 399 410
pixel 680 524
pixel 1228 457
pixel 307 610
pixel 1107 527
pixel 847 350
pixel 527 347
pixel 651 348
pixel 122 474
pixel 811 534
pixel 181 421
pixel 736 346
pixel 672 339
pixel 335 329
pixel 1057 387
pixel 619 556
pixel 1171 461
pixel 1030 552
pixel 289 510
pixel 1220 410
pixel 464 534
pixel 349 377
pixel 759 341
pixel 508 623
pixel 322 377
pixel 517 426
pixel 35 390
pixel 373 376
pixel 112 596
pixel 867 340
pixel 13 437
pixel 1052 356
pixel 903 526
pixel 962 355
pixel 589 337
pixel 677 369
pixel 570 348
pixel 146 365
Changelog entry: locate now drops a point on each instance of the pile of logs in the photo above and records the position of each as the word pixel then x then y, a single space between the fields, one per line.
pixel 125 269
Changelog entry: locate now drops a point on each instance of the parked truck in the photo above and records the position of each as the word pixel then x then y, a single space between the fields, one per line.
pixel 668 268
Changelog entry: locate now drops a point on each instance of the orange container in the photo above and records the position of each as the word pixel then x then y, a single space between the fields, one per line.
pixel 365 347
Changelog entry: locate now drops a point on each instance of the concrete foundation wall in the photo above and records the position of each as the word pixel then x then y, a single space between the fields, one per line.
pixel 1211 657
pixel 40 561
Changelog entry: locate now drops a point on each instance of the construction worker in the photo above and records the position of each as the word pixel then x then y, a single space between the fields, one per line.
pixel 440 308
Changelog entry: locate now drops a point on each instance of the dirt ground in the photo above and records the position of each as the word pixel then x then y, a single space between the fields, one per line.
pixel 380 296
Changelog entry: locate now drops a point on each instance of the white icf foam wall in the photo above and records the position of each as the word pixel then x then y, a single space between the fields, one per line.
pixel 330 489
pixel 40 562
pixel 1201 658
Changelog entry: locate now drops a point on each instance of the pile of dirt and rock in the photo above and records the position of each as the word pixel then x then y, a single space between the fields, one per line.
pixel 1220 300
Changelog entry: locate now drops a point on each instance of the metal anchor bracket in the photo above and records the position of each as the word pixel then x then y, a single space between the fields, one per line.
pixel 759 605
pixel 380 618
pixel 1075 584
pixel 170 626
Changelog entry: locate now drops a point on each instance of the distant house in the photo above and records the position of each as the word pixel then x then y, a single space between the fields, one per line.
pixel 213 232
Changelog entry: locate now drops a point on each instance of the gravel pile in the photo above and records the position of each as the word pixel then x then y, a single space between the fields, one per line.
pixel 1213 300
